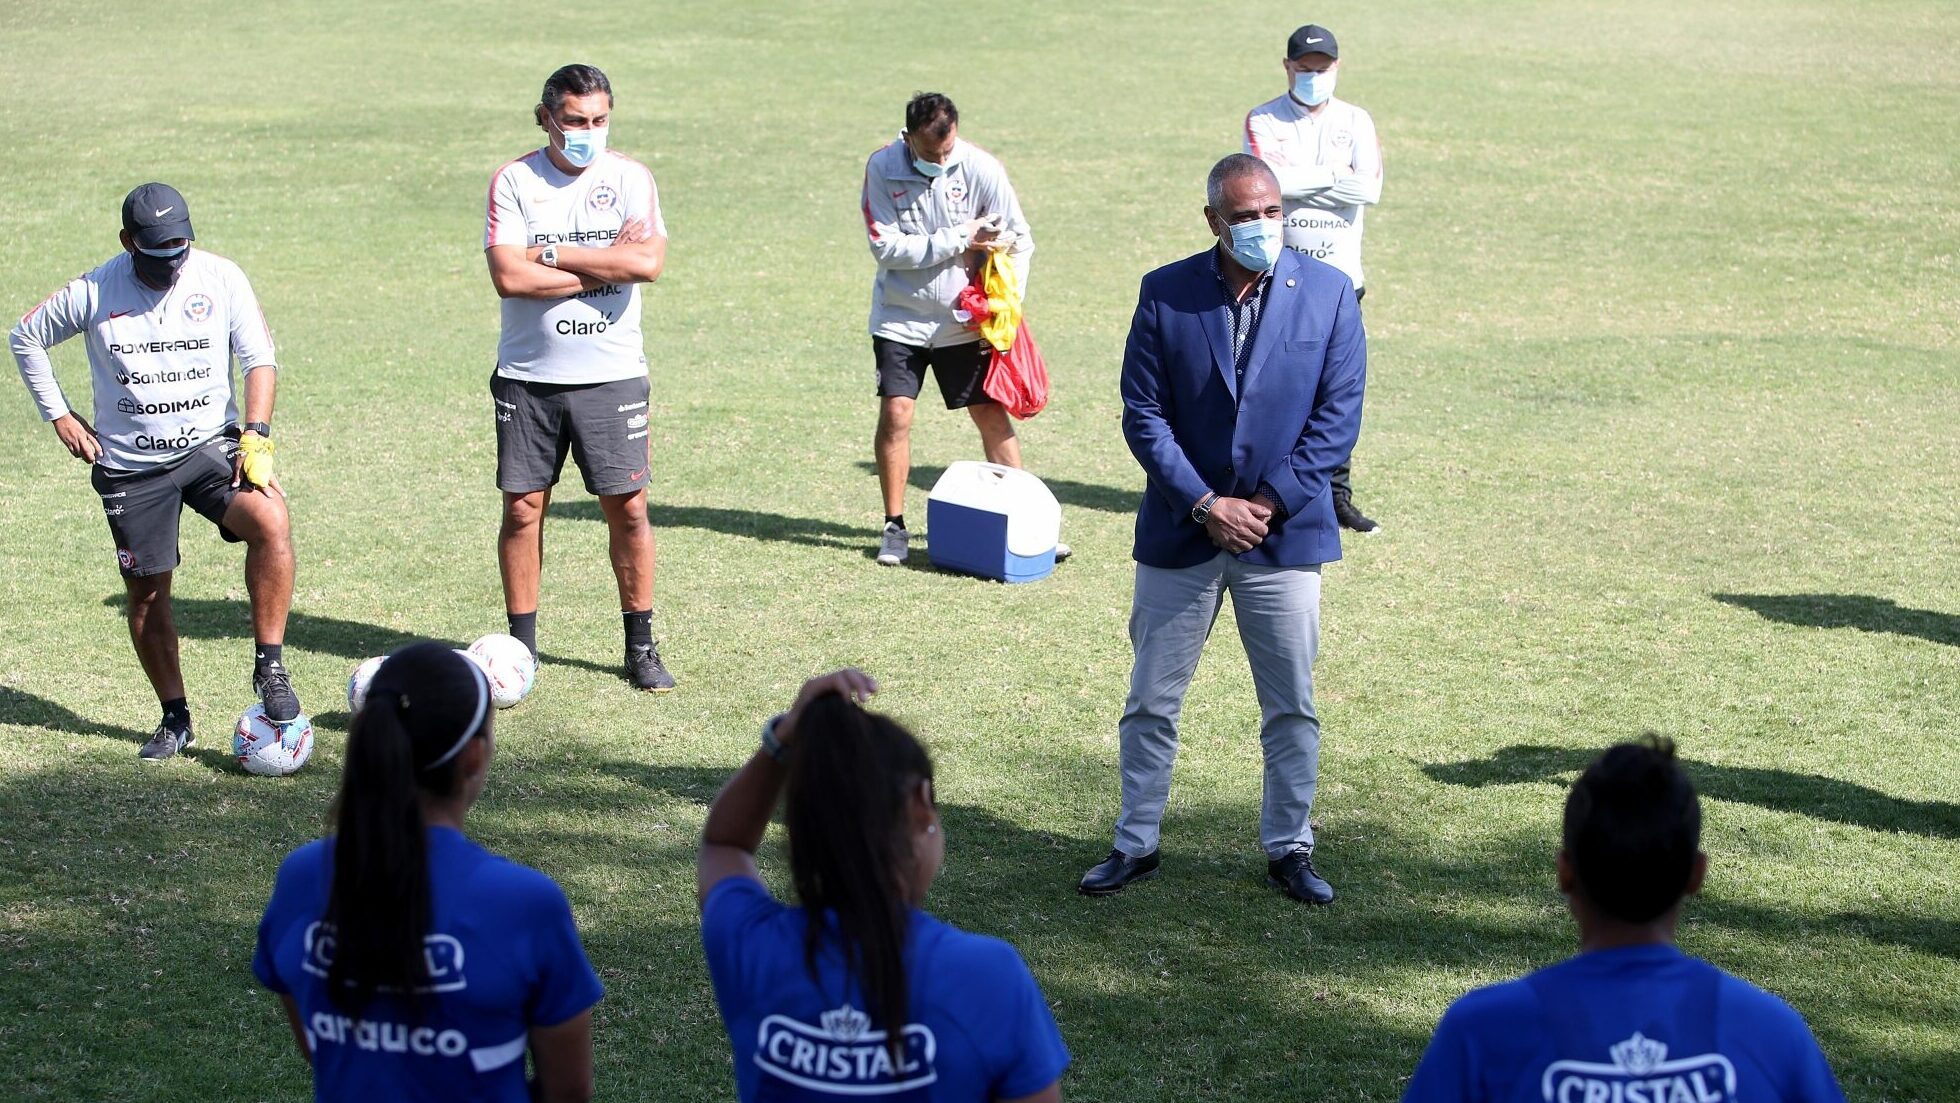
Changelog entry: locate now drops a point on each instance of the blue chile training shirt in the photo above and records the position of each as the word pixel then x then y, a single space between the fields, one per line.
pixel 504 956
pixel 979 1028
pixel 1638 1024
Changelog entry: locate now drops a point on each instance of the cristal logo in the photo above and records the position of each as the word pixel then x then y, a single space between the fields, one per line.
pixel 442 955
pixel 843 1055
pixel 133 407
pixel 1641 1073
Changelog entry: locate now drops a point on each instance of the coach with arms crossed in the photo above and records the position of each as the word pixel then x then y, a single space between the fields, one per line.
pixel 572 231
pixel 1242 384
pixel 162 322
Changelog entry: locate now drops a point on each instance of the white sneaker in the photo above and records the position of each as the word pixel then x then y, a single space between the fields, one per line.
pixel 1062 551
pixel 894 546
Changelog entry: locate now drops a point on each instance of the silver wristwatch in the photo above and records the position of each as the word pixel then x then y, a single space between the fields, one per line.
pixel 549 258
pixel 1203 509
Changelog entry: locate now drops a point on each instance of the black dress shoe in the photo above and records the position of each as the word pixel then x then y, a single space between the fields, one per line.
pixel 1353 519
pixel 1294 875
pixel 1119 869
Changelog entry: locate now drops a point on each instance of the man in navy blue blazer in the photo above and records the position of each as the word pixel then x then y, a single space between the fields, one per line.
pixel 1242 384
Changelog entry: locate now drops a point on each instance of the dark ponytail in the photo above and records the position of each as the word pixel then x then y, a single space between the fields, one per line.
pixel 424 704
pixel 850 781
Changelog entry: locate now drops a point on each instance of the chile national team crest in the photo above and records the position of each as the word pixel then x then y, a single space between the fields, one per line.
pixel 602 198
pixel 197 309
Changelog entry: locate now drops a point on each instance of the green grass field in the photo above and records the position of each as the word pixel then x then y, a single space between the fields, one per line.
pixel 1661 425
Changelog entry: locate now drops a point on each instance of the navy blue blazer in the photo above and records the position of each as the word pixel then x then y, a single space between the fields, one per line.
pixel 1195 428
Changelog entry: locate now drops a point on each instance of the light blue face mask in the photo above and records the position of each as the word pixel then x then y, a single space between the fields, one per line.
pixel 1256 245
pixel 163 252
pixel 1313 89
pixel 932 170
pixel 582 147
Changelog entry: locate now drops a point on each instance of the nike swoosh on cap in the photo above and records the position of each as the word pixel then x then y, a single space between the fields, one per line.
pixel 1315 41
pixel 173 206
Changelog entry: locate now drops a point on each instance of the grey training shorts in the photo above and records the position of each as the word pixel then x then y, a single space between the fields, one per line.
pixel 602 425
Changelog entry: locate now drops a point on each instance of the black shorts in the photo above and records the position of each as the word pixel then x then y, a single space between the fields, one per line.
pixel 602 425
pixel 960 369
pixel 142 507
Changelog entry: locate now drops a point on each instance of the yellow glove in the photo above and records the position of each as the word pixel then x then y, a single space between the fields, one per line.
pixel 256 461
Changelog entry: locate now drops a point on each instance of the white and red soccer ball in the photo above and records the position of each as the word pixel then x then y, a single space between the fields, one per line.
pixel 357 684
pixel 269 747
pixel 509 665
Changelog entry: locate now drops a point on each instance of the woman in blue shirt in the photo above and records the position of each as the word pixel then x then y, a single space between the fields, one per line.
pixel 1631 1018
pixel 414 964
pixel 858 992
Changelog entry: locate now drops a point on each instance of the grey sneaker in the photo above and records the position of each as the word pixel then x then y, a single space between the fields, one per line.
pixel 165 742
pixel 894 545
pixel 645 670
pixel 1062 551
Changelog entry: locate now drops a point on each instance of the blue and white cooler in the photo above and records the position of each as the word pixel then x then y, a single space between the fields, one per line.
pixel 997 522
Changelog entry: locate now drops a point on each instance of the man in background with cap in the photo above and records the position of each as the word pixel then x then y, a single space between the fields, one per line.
pixel 1329 165
pixel 162 322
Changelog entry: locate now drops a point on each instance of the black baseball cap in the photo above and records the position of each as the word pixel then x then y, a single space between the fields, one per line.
pixel 1312 39
pixel 156 213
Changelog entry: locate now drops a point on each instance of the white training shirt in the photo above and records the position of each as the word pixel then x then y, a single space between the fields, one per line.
pixel 593 336
pixel 1329 169
pixel 160 361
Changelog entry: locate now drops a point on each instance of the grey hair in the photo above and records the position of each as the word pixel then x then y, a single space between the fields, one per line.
pixel 1232 167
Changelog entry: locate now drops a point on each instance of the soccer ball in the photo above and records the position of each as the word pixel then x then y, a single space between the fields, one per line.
pixel 509 666
pixel 357 686
pixel 265 746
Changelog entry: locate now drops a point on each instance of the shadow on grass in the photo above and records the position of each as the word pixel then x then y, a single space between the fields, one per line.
pixel 1860 611
pixel 28 710
pixel 736 522
pixel 1823 798
pixel 1108 499
pixel 1184 987
pixel 203 618
pixel 759 526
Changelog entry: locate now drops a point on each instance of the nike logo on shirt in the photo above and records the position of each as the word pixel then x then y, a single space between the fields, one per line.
pixel 121 313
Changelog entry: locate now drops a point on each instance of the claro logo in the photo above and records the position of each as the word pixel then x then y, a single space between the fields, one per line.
pixel 132 407
pixel 178 443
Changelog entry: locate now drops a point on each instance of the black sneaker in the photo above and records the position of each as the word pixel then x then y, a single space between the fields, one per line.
pixel 1352 518
pixel 165 742
pixel 645 670
pixel 275 689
